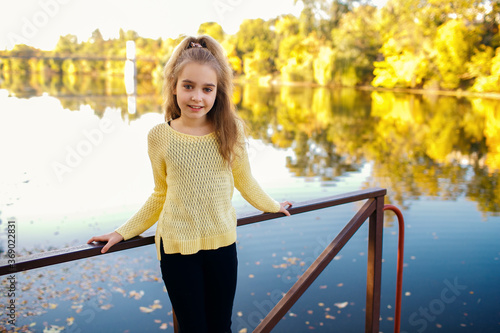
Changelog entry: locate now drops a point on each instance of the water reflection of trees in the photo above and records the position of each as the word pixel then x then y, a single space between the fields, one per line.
pixel 438 146
pixel 99 92
pixel 417 145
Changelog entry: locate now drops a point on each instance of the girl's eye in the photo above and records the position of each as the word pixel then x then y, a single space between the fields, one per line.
pixel 208 90
pixel 188 86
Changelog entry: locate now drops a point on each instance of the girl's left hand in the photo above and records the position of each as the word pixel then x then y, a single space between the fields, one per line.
pixel 284 207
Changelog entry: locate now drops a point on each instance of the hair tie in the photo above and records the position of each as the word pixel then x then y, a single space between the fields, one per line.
pixel 193 44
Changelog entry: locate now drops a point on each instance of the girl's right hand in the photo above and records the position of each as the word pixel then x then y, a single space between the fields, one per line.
pixel 112 238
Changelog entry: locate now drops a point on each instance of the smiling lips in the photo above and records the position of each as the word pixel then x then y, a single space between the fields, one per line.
pixel 195 107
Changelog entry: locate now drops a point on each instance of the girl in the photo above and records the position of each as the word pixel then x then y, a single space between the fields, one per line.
pixel 198 156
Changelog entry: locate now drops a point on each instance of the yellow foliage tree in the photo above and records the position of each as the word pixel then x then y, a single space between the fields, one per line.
pixel 491 82
pixel 323 65
pixel 406 69
pixel 453 44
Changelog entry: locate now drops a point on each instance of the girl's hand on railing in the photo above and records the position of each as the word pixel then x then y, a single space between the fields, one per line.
pixel 284 207
pixel 111 239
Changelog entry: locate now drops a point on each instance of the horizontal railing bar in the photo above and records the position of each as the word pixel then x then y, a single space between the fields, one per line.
pixel 315 204
pixel 48 258
pixel 60 256
pixel 310 275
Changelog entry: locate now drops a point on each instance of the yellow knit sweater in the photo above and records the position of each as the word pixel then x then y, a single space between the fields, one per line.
pixel 193 191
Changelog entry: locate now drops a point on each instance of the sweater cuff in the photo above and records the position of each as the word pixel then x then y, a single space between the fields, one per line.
pixel 122 231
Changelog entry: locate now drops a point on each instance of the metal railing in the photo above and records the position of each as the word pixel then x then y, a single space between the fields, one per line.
pixel 373 210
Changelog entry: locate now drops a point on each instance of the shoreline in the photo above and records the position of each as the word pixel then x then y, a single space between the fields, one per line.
pixel 269 81
pixel 265 81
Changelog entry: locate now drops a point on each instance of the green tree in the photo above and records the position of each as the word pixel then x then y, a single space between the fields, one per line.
pixel 356 42
pixel 254 44
pixel 321 16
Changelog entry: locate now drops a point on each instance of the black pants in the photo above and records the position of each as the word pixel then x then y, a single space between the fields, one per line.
pixel 201 288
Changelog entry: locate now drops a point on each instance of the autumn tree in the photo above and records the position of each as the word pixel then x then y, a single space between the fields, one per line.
pixel 454 43
pixel 356 44
pixel 254 45
pixel 212 29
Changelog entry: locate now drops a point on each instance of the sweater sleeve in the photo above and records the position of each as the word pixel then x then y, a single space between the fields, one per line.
pixel 151 210
pixel 246 183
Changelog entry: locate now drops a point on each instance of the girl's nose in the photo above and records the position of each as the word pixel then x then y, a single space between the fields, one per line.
pixel 196 97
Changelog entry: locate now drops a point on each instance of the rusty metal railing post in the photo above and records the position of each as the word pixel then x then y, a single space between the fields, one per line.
pixel 316 268
pixel 374 269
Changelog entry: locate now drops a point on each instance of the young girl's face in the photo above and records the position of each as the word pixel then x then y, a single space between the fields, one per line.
pixel 196 90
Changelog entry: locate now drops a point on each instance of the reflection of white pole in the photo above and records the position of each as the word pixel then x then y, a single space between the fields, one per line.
pixel 131 76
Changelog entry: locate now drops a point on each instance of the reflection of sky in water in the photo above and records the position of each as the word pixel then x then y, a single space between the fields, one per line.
pixel 71 174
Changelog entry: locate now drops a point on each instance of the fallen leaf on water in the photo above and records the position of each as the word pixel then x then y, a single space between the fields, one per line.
pixel 341 305
pixel 321 304
pixel 119 290
pixel 292 260
pixel 70 321
pixel 340 284
pixel 135 294
pixel 53 329
pixel 329 317
pixel 106 306
pixel 52 306
pixel 156 305
pixel 243 330
pixel 323 287
pixel 151 308
pixel 291 314
pixel 145 309
pixel 164 326
pixel 251 276
pixel 240 314
pixel 77 307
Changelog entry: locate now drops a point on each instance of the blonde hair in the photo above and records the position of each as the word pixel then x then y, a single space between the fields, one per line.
pixel 206 51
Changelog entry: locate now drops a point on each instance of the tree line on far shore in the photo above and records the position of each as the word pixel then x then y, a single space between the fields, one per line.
pixel 417 44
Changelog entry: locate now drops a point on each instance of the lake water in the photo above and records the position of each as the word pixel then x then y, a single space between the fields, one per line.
pixel 75 165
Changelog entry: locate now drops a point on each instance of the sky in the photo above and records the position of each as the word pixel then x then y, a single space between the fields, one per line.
pixel 39 23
